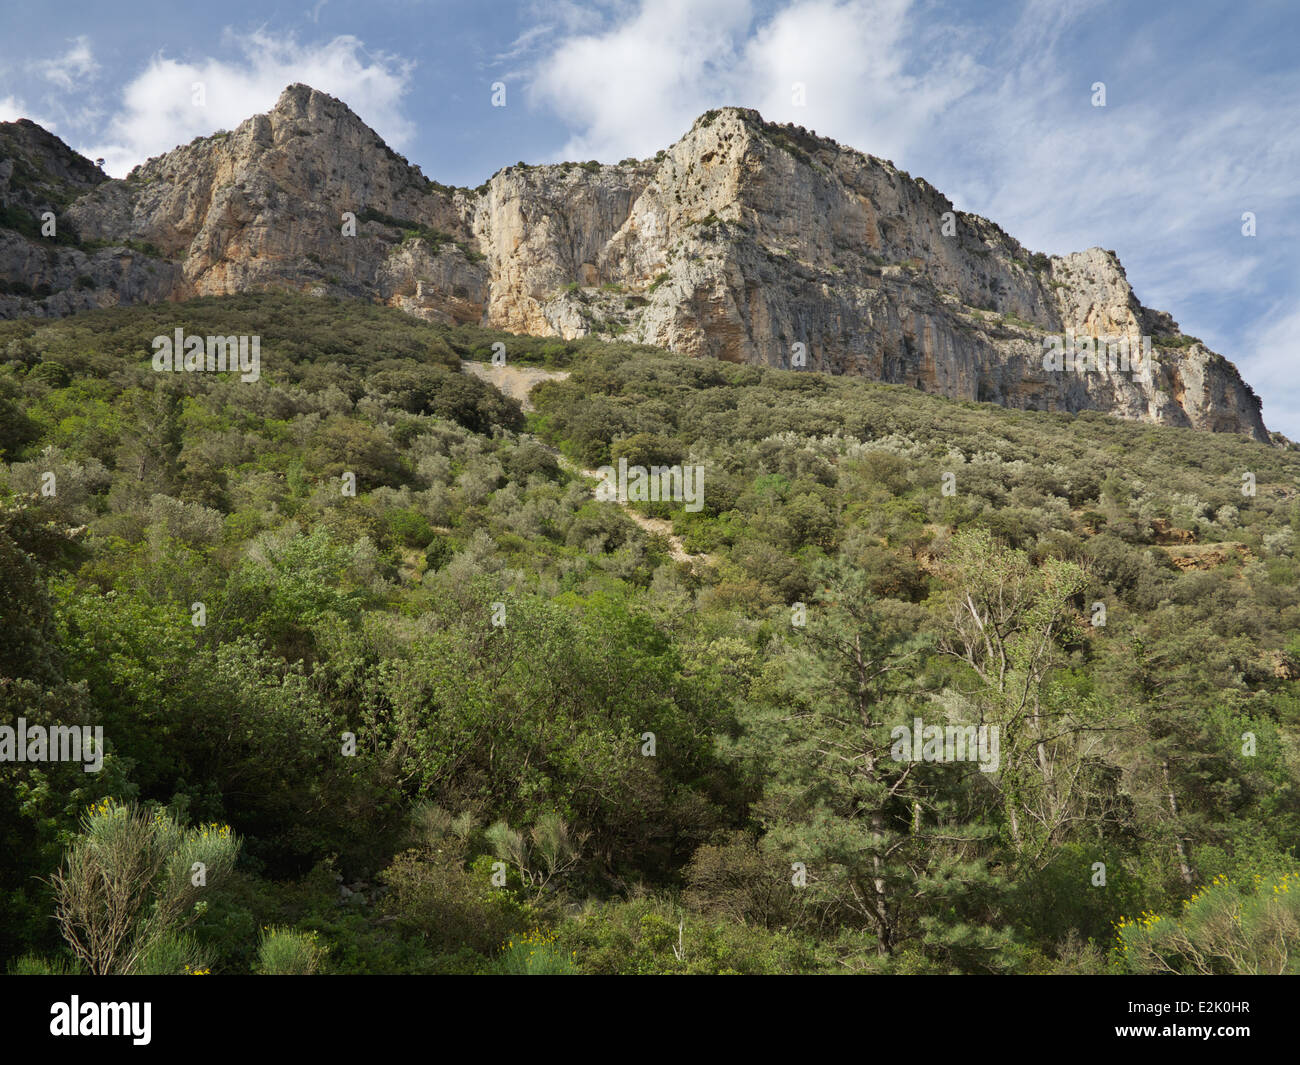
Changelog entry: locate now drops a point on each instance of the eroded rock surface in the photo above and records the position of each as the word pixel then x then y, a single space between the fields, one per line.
pixel 744 241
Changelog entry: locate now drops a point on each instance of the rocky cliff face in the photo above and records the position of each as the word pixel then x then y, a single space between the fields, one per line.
pixel 744 241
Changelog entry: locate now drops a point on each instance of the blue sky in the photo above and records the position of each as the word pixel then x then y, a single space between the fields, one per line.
pixel 990 102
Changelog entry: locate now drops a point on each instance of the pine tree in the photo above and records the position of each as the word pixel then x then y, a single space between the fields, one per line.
pixel 890 845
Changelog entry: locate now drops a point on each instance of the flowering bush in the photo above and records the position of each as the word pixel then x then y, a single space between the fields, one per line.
pixel 1226 927
pixel 130 884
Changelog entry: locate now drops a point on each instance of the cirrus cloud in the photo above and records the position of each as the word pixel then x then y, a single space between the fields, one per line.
pixel 71 69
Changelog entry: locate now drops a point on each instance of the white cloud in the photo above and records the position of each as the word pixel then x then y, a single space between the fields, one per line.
pixel 158 112
pixel 633 86
pixel 852 62
pixel 71 69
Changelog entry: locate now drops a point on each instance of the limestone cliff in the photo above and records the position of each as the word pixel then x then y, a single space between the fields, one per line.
pixel 744 241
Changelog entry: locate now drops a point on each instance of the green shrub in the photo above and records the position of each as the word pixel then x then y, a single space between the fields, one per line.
pixel 284 952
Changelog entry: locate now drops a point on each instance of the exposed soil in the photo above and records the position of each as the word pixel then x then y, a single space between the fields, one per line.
pixel 517 382
pixel 514 381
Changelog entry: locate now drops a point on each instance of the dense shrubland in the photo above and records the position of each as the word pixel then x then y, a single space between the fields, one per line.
pixel 504 809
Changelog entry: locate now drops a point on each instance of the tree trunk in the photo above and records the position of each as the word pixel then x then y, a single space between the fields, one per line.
pixel 1178 839
pixel 885 933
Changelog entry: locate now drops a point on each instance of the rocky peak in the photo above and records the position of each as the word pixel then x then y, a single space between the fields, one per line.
pixel 38 171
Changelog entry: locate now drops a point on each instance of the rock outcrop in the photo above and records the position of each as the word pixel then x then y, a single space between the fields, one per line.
pixel 744 241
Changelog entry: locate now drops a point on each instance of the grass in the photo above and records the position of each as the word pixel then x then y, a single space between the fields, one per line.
pixel 535 954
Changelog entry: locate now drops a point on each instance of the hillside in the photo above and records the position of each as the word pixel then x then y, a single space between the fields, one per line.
pixel 469 718
pixel 744 241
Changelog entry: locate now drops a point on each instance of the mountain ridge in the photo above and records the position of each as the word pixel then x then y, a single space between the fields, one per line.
pixel 744 240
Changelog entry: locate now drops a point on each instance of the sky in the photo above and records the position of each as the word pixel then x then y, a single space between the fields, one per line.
pixel 994 102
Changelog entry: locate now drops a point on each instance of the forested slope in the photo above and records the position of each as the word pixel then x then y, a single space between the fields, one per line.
pixel 472 719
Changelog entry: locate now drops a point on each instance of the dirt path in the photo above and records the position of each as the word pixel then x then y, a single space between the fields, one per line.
pixel 517 382
pixel 657 526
